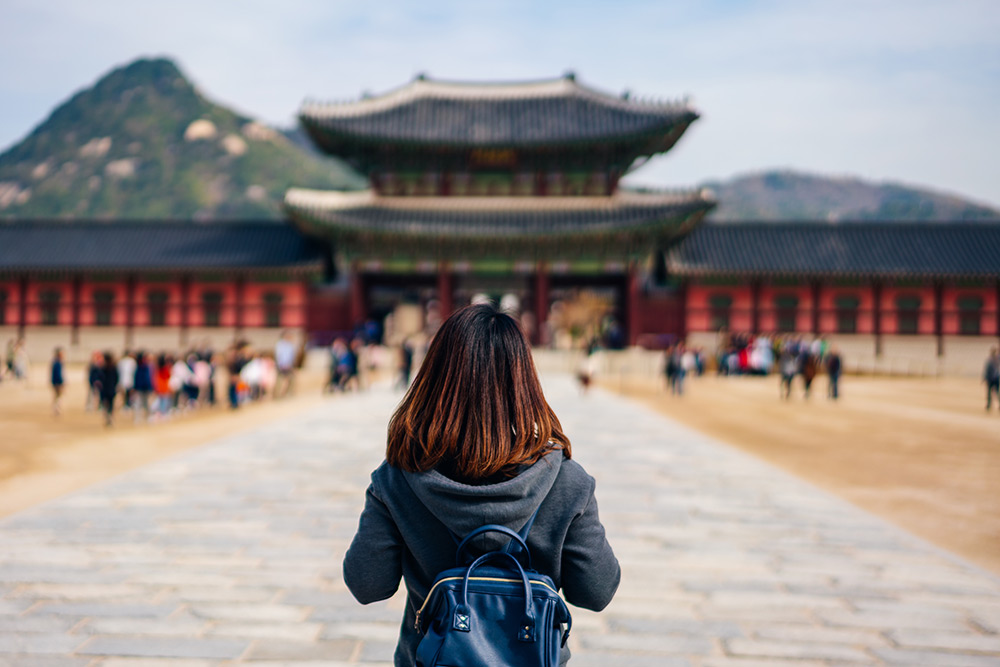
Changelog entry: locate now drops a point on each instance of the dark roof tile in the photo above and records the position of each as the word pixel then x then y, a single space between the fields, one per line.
pixel 490 115
pixel 139 246
pixel 840 249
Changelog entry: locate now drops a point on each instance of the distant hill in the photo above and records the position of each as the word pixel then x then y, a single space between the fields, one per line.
pixel 789 195
pixel 143 143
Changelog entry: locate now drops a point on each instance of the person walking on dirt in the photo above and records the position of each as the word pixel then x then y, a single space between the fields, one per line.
pixel 285 353
pixel 991 376
pixel 57 381
pixel 810 365
pixel 108 387
pixel 833 369
pixel 789 366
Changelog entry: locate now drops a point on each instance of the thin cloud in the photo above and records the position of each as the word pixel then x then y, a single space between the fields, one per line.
pixel 904 90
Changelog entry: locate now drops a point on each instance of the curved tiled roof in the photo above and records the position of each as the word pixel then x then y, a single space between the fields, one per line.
pixel 154 246
pixel 840 249
pixel 353 214
pixel 517 115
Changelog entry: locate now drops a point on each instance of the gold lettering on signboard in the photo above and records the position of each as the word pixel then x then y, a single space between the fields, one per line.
pixel 493 157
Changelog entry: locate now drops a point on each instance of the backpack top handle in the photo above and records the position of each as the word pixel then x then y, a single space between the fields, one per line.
pixel 463 618
pixel 515 539
pixel 517 542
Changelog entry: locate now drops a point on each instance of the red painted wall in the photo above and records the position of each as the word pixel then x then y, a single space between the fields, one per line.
pixel 293 303
pixel 699 309
pixel 659 316
pixel 10 304
pixel 951 316
pixel 925 320
pixel 64 310
pixel 769 314
pixel 293 307
pixel 142 308
pixel 88 311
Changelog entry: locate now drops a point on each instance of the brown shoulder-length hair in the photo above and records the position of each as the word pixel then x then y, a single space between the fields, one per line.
pixel 475 408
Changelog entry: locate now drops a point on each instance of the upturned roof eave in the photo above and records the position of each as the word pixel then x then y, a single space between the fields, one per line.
pixel 639 139
pixel 423 87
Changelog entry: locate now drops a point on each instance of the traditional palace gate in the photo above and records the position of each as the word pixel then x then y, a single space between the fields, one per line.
pixel 496 189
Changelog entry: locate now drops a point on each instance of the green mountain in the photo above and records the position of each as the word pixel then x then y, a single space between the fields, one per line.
pixel 144 143
pixel 789 195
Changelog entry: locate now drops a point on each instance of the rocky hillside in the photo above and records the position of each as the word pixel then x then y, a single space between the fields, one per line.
pixel 788 195
pixel 144 143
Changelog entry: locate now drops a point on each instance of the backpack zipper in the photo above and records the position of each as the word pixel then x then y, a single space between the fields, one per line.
pixel 416 622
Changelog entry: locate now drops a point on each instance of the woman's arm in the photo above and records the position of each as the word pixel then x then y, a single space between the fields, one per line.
pixel 372 566
pixel 590 571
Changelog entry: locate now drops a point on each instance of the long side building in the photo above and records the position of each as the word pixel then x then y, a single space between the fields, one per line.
pixel 158 285
pixel 897 297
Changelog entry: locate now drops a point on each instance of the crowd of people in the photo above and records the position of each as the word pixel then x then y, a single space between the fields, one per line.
pixel 793 356
pixel 152 387
pixel 156 386
pixel 745 354
pixel 679 362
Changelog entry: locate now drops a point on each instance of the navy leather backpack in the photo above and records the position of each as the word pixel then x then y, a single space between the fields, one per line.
pixel 494 611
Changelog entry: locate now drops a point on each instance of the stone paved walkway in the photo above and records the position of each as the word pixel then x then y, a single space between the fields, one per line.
pixel 230 554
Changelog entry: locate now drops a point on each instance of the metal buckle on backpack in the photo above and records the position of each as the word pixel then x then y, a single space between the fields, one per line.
pixel 462 621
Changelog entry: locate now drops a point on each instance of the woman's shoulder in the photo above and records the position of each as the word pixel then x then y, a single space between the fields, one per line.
pixel 573 483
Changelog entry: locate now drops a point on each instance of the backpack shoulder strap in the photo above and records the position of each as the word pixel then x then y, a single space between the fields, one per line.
pixel 514 546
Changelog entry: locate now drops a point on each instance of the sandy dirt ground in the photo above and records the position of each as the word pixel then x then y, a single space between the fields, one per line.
pixel 922 453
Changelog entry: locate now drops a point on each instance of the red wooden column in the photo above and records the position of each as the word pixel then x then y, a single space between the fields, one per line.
pixel 682 311
pixel 241 285
pixel 939 316
pixel 445 289
pixel 817 293
pixel 77 291
pixel 358 309
pixel 186 307
pixel 998 310
pixel 130 283
pixel 22 306
pixel 755 306
pixel 541 302
pixel 877 315
pixel 632 304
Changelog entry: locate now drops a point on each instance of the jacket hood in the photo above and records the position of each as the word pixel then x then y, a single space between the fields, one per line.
pixel 462 507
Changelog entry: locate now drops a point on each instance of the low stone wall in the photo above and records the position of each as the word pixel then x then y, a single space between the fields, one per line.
pixel 901 355
pixel 40 341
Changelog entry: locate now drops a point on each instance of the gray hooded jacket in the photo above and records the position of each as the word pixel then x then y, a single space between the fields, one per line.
pixel 410 522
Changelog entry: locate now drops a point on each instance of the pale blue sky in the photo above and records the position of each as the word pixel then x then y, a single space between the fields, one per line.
pixel 899 90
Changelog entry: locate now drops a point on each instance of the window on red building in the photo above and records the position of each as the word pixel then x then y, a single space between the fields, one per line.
pixel 272 309
pixel 104 301
pixel 49 300
pixel 907 314
pixel 847 313
pixel 786 312
pixel 720 307
pixel 211 308
pixel 970 314
pixel 157 302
